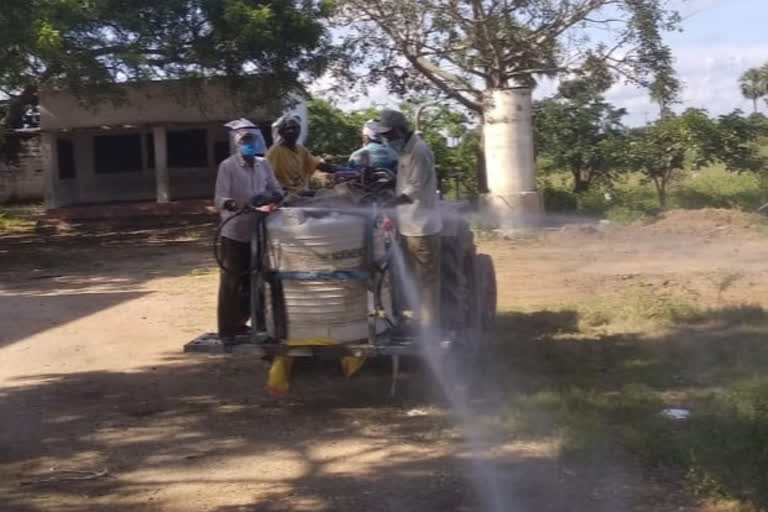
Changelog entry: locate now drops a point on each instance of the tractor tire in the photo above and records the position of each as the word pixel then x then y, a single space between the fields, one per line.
pixel 484 292
pixel 457 252
pixel 472 354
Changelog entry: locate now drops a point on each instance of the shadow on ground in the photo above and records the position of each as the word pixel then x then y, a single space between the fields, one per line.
pixel 335 445
pixel 570 419
pixel 197 422
pixel 604 394
pixel 73 275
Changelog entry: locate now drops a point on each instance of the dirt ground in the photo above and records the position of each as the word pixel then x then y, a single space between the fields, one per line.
pixel 93 379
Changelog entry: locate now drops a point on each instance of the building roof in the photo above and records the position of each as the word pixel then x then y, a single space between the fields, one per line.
pixel 147 103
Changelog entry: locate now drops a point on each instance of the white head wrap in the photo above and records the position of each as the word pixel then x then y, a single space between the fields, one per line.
pixel 281 122
pixel 370 129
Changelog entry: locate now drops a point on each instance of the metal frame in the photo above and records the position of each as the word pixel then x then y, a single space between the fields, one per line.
pixel 258 342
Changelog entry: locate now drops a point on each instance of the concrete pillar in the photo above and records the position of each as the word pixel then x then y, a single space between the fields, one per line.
pixel 509 157
pixel 50 167
pixel 162 180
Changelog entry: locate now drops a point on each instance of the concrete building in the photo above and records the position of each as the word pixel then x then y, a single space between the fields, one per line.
pixel 157 141
pixel 23 178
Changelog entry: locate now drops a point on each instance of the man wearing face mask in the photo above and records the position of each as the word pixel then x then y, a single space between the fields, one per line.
pixel 245 174
pixel 418 214
pixel 293 163
pixel 374 152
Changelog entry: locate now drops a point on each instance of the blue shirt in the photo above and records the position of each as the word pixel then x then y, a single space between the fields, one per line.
pixel 380 156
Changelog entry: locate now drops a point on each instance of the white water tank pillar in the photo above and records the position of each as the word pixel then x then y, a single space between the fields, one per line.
pixel 510 163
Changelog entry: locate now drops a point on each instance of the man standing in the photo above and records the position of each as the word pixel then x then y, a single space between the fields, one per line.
pixel 243 175
pixel 293 163
pixel 418 214
pixel 374 152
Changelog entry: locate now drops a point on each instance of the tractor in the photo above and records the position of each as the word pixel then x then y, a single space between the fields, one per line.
pixel 325 267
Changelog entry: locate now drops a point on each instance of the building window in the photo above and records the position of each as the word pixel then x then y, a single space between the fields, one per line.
pixel 221 150
pixel 117 153
pixel 65 152
pixel 149 143
pixel 266 131
pixel 187 148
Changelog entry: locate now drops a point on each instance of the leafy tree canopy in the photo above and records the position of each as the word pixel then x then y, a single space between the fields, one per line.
pixel 83 44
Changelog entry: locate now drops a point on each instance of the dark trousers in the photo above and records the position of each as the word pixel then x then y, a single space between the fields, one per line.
pixel 234 287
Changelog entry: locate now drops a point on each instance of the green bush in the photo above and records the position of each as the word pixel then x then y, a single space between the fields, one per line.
pixel 559 200
pixel 631 197
pixel 624 214
pixel 716 188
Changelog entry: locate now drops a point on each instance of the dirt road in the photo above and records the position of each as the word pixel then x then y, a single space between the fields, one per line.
pixel 92 379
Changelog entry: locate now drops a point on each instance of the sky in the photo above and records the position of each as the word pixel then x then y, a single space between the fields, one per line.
pixel 720 40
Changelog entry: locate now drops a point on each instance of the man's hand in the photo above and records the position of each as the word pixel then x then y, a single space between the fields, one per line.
pixel 267 208
pixel 230 205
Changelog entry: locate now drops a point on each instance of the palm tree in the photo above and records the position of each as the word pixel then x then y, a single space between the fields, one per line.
pixel 764 73
pixel 753 84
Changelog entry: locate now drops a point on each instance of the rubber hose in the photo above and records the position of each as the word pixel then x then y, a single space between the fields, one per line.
pixel 217 239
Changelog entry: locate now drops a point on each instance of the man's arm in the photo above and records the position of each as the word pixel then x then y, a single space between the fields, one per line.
pixel 416 175
pixel 223 193
pixel 312 163
pixel 355 158
pixel 272 184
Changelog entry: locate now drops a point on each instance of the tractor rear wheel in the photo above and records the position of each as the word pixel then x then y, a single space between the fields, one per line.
pixel 484 292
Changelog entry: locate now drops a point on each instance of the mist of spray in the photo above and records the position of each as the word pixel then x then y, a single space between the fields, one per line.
pixel 442 363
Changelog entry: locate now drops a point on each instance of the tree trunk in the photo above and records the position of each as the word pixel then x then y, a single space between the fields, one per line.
pixel 580 182
pixel 509 156
pixel 482 175
pixel 661 191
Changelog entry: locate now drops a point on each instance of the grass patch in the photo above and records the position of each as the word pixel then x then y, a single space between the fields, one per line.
pixel 714 187
pixel 725 446
pixel 602 395
pixel 634 309
pixel 630 197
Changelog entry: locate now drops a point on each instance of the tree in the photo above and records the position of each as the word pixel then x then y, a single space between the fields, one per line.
pixel 659 150
pixel 331 131
pixel 737 142
pixel 665 88
pixel 453 137
pixel 87 45
pixel 764 72
pixel 486 55
pixel 580 132
pixel 754 84
pixel 662 149
pixel 334 132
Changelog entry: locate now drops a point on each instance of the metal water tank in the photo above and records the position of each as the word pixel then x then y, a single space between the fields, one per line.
pixel 299 246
